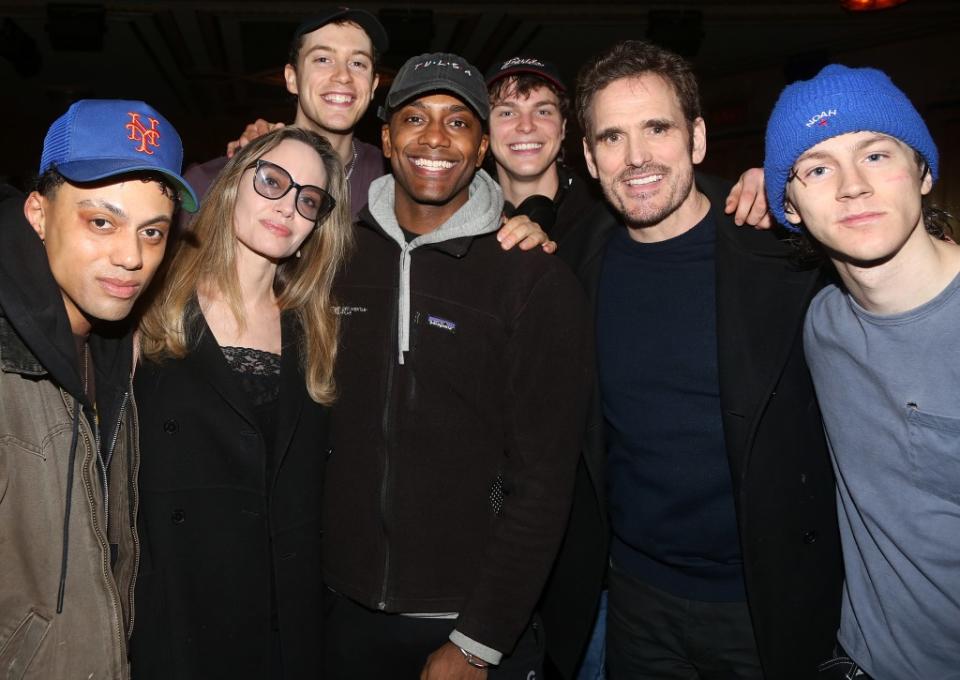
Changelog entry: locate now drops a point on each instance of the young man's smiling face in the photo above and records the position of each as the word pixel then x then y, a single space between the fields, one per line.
pixel 643 150
pixel 526 131
pixel 334 77
pixel 435 144
pixel 103 243
pixel 859 194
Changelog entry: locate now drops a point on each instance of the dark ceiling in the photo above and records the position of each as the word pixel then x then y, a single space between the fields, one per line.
pixel 212 66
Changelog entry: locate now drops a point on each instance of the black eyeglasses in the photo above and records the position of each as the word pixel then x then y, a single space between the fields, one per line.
pixel 273 182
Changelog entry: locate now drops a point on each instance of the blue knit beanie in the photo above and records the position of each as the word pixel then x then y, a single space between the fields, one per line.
pixel 836 101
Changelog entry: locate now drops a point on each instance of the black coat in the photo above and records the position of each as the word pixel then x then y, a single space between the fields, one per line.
pixel 783 481
pixel 210 532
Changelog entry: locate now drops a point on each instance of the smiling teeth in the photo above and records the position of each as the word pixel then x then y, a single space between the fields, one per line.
pixel 526 146
pixel 433 165
pixel 338 98
pixel 639 181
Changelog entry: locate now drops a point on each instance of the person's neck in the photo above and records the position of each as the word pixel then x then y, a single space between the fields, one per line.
pixel 687 215
pixel 342 142
pixel 916 274
pixel 80 323
pixel 517 189
pixel 255 276
pixel 422 218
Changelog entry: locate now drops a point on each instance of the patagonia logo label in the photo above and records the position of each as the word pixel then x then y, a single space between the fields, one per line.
pixel 442 324
pixel 348 310
pixel 142 134
pixel 822 118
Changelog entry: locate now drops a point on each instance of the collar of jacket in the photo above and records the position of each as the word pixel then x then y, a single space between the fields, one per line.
pixel 479 215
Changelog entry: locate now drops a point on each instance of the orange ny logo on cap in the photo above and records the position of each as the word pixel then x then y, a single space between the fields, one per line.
pixel 142 134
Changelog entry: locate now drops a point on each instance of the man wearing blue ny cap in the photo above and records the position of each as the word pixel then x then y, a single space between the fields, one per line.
pixel 74 258
pixel 849 163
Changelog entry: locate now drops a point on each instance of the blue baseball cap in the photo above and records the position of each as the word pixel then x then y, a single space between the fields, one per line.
pixel 100 138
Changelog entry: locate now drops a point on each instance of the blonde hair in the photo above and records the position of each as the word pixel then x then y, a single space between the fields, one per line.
pixel 206 255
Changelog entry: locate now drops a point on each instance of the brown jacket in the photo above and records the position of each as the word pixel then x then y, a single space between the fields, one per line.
pixel 66 604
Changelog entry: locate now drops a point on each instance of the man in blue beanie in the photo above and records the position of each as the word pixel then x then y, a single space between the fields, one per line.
pixel 848 163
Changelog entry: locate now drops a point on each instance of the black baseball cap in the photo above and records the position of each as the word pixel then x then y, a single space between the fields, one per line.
pixel 362 18
pixel 532 65
pixel 438 72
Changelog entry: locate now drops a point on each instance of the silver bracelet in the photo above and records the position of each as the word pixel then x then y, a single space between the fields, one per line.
pixel 474 661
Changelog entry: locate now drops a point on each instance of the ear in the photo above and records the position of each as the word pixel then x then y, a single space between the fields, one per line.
pixel 482 149
pixel 35 210
pixel 385 140
pixel 698 146
pixel 290 77
pixel 790 212
pixel 588 157
pixel 926 184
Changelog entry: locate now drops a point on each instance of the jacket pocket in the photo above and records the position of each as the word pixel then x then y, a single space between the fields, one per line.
pixel 17 652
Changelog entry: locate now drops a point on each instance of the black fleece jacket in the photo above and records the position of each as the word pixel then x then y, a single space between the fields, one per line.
pixel 450 482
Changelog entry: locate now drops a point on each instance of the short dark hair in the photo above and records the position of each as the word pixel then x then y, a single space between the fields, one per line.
pixel 632 59
pixel 293 54
pixel 49 182
pixel 523 84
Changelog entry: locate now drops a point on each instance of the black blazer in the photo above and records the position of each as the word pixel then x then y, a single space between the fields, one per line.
pixel 211 535
pixel 782 477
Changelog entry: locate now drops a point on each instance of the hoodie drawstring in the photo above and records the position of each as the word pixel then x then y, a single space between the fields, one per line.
pixel 69 502
pixel 403 322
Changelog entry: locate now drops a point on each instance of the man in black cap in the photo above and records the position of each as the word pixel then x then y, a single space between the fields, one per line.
pixel 332 70
pixel 463 374
pixel 529 106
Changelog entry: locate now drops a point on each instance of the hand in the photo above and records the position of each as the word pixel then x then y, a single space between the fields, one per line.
pixel 257 128
pixel 749 201
pixel 520 231
pixel 448 663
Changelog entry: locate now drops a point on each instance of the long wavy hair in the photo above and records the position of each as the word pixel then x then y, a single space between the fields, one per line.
pixel 206 257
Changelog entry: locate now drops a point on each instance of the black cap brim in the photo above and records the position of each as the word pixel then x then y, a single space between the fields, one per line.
pixel 368 22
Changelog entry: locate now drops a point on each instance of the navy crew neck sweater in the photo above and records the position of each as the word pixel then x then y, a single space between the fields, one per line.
pixel 670 491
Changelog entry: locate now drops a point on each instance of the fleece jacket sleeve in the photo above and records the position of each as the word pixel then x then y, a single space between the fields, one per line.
pixel 549 376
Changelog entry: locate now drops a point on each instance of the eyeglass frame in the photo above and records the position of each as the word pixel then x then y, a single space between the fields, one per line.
pixel 326 207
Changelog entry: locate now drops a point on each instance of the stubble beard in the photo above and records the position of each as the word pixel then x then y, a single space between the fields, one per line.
pixel 643 211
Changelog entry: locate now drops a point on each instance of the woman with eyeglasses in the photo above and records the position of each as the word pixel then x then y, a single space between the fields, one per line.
pixel 236 373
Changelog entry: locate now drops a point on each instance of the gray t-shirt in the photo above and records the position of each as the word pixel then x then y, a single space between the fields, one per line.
pixel 889 388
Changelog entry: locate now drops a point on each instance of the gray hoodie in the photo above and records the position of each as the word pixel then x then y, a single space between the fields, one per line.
pixel 479 215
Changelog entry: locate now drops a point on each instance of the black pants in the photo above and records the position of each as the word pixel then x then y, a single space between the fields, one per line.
pixel 360 643
pixel 652 634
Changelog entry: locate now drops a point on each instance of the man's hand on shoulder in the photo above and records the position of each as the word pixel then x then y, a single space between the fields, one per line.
pixel 520 231
pixel 449 663
pixel 748 202
pixel 257 128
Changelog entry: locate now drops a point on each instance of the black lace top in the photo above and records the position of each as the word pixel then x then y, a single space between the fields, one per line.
pixel 259 372
pixel 259 375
